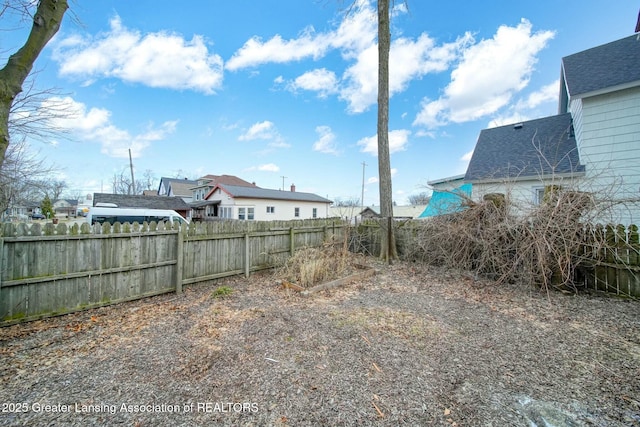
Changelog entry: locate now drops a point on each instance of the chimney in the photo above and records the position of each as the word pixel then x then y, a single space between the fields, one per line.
pixel 293 188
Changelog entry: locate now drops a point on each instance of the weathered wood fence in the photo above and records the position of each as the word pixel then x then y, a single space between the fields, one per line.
pixel 57 269
pixel 611 256
pixel 609 260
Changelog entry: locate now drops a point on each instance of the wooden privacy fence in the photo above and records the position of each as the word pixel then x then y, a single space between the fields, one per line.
pixel 56 269
pixel 611 259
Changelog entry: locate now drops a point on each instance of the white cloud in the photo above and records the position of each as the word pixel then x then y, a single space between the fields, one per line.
pixel 256 52
pixel 269 167
pixel 408 60
pixel 398 140
pixel 265 131
pixel 320 80
pixel 261 130
pixel 525 109
pixel 548 93
pixel 466 157
pixel 94 124
pixel 326 142
pixel 161 59
pixel 489 74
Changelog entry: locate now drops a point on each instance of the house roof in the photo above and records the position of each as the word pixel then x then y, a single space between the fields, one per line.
pixel 213 180
pixel 180 187
pixel 535 148
pixel 615 64
pixel 138 201
pixel 244 192
pixel 408 211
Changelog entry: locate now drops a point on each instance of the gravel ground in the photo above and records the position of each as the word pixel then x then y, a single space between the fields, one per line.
pixel 408 346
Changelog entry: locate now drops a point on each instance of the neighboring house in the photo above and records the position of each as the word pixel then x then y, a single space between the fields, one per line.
pixel 68 207
pixel 600 87
pixel 399 212
pixel 244 202
pixel 522 159
pixel 20 210
pixel 205 184
pixel 148 202
pixel 176 187
pixel 592 145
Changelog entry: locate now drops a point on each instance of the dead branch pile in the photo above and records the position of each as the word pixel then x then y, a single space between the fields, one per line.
pixel 542 245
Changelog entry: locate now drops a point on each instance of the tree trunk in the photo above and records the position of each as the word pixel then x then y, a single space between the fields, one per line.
pixel 388 245
pixel 46 23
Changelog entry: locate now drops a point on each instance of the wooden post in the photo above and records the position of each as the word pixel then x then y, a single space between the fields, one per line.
pixel 1 258
pixel 292 245
pixel 247 256
pixel 180 259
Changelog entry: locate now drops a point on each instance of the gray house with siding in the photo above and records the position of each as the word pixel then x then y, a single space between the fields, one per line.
pixel 592 144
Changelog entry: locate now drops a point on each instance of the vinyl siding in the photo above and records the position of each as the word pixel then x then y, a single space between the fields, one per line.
pixel 610 144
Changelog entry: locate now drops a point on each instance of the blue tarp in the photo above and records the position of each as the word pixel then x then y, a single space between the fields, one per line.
pixel 446 202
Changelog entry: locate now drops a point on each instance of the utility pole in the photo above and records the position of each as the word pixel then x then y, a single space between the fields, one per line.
pixel 283 177
pixel 132 189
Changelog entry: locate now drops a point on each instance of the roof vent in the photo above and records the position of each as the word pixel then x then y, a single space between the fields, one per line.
pixel 518 125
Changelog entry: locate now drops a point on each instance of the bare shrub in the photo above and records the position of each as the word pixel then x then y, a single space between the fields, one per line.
pixel 539 246
pixel 311 266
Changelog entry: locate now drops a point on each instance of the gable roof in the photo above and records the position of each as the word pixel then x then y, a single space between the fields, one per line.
pixel 244 192
pixel 138 201
pixel 534 148
pixel 180 187
pixel 611 65
pixel 213 180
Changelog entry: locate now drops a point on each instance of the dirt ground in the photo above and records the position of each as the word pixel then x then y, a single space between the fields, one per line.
pixel 408 346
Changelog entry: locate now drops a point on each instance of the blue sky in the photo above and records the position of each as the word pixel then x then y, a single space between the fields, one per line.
pixel 266 89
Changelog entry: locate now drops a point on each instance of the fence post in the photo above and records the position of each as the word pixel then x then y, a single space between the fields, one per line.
pixel 179 260
pixel 292 244
pixel 247 256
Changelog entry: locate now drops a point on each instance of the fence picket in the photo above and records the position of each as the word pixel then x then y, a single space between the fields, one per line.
pixel 57 269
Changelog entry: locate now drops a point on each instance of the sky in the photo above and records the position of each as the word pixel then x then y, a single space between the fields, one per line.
pixel 285 92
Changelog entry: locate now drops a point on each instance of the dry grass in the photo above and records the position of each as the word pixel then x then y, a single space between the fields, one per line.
pixel 312 266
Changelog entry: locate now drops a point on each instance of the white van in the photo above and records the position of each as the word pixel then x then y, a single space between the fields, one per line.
pixel 100 215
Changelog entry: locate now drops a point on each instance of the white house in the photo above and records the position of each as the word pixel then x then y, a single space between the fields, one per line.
pixel 521 160
pixel 261 204
pixel 600 88
pixel 592 145
pixel 176 187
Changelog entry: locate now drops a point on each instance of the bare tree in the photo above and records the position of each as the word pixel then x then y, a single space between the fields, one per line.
pixel 24 177
pixel 419 199
pixel 46 23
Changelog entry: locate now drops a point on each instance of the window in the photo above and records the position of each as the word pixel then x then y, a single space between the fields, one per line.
pixel 538 196
pixel 315 212
pixel 241 213
pixel 271 209
pixel 226 212
pixel 296 212
pixel 250 212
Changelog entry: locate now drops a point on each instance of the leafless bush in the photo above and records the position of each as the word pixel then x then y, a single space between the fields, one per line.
pixel 311 266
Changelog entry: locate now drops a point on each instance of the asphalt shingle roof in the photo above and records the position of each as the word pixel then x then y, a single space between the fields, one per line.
pixel 612 64
pixel 238 191
pixel 137 201
pixel 540 147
